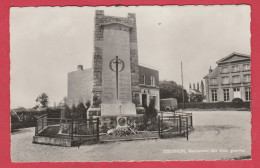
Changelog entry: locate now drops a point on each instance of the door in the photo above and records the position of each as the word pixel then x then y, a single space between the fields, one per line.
pixel 144 100
pixel 237 93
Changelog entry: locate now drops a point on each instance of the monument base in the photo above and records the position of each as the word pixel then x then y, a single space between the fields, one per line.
pixel 118 108
pixel 133 123
pixel 92 111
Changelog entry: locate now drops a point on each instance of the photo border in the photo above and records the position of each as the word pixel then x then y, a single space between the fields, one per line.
pixel 5 158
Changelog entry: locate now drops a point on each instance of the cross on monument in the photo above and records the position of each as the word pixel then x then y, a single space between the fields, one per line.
pixel 117 62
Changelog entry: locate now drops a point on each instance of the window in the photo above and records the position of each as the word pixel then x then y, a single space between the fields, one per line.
pixel 142 79
pixel 214 95
pixel 152 81
pixel 225 80
pixel 213 82
pixel 248 94
pixel 226 94
pixel 247 78
pixel 246 67
pixel 236 79
pixel 236 89
pixel 235 68
pixel 224 69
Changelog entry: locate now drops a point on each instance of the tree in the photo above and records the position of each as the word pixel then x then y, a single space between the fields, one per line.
pixel 66 112
pixel 63 102
pixel 42 101
pixel 81 111
pixel 202 87
pixel 196 97
pixel 88 104
pixel 150 111
pixel 170 89
pixel 73 111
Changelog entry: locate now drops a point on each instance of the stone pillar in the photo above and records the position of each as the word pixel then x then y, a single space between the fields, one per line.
pixel 115 36
pixel 98 50
pixel 134 53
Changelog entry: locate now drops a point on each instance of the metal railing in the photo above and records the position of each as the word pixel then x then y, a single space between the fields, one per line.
pixel 41 124
pixel 176 123
pixel 73 129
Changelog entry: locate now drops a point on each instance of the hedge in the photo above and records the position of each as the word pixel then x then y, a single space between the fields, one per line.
pixel 25 119
pixel 217 105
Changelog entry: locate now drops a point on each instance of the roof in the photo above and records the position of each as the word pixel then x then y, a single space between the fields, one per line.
pixel 213 74
pixel 194 91
pixel 233 58
pixel 147 66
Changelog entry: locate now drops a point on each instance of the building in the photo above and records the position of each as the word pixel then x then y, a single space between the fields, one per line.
pixel 80 86
pixel 230 79
pixel 149 86
pixel 116 83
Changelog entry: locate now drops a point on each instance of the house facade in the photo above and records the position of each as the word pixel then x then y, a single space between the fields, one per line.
pixel 149 86
pixel 230 79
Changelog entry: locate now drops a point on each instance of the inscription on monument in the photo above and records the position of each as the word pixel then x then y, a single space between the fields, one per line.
pixel 117 44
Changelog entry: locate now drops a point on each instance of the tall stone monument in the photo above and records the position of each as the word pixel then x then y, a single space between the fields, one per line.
pixel 115 64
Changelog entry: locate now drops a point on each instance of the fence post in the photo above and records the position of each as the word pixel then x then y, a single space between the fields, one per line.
pixel 72 128
pixel 174 117
pixel 191 121
pixel 46 121
pixel 159 126
pixel 98 129
pixel 36 127
pixel 42 122
pixel 177 123
pixel 187 128
pixel 180 123
pixel 93 126
pixel 162 118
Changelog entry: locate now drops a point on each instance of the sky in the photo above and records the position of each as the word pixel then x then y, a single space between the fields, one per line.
pixel 48 42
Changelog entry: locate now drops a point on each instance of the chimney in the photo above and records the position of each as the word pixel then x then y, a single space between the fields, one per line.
pixel 80 67
pixel 210 70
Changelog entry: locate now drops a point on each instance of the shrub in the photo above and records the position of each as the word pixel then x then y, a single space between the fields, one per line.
pixel 25 119
pixel 237 100
pixel 150 111
pixel 217 105
pixel 81 111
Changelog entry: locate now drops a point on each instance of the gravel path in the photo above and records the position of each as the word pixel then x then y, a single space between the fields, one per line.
pixel 217 135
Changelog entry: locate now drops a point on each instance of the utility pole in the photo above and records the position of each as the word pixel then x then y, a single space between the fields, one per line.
pixel 183 102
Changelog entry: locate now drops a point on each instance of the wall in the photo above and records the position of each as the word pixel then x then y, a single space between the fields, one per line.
pixel 148 72
pixel 79 86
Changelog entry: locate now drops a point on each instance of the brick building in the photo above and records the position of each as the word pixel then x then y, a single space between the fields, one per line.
pixel 230 79
pixel 149 86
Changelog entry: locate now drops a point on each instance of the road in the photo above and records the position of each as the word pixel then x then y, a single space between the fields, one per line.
pixel 217 135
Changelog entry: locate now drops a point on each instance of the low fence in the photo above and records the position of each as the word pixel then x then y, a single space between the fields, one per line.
pixel 73 129
pixel 41 124
pixel 25 119
pixel 217 105
pixel 174 123
pixel 169 124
